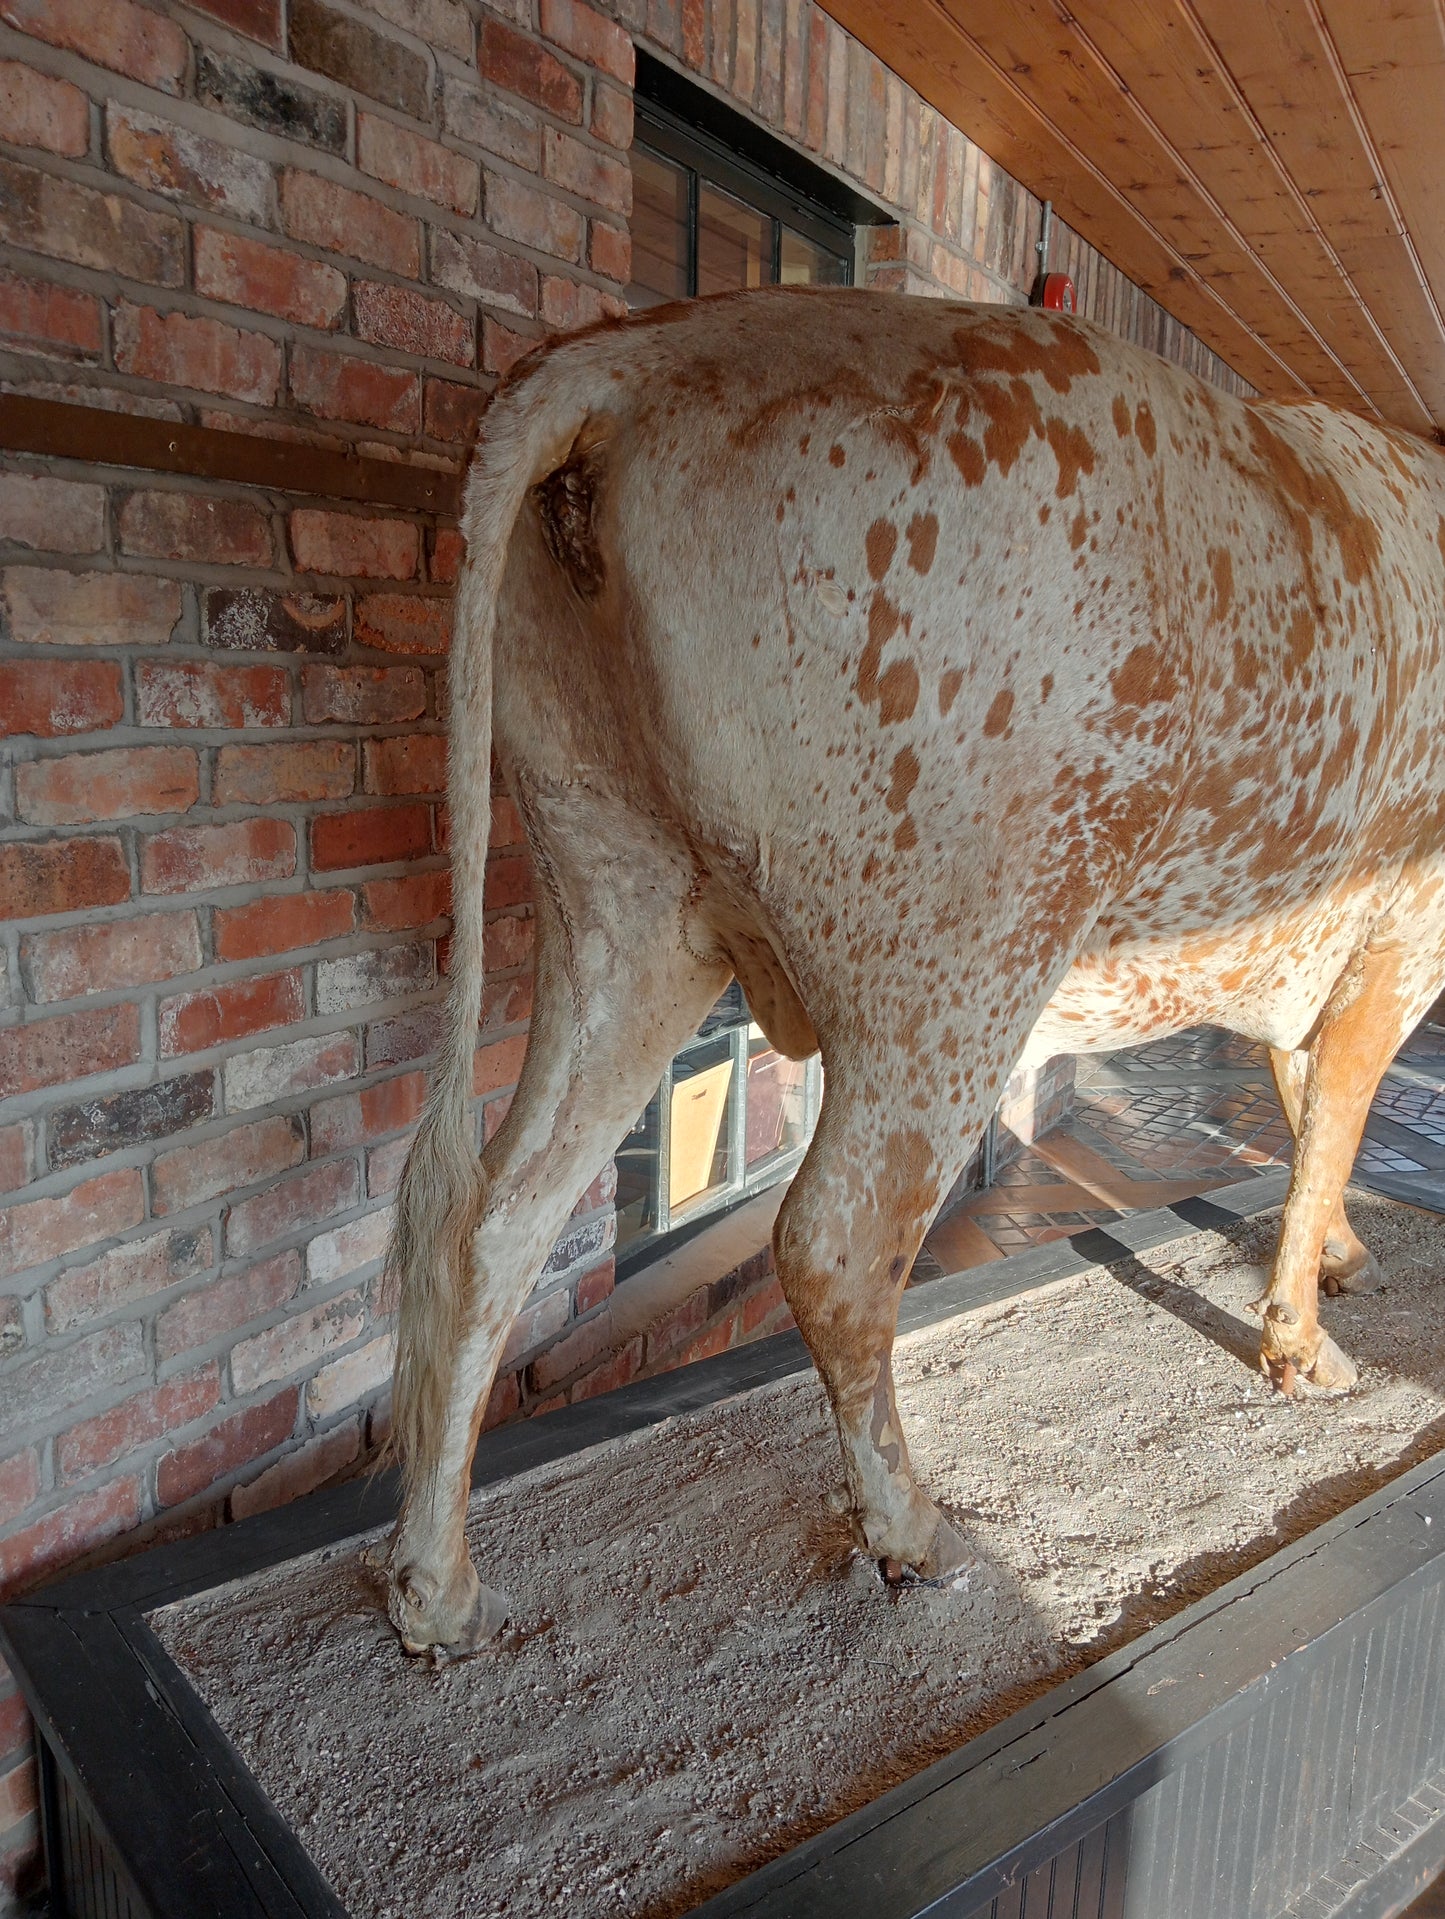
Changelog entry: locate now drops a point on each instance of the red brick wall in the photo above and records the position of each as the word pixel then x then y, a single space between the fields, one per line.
pixel 222 845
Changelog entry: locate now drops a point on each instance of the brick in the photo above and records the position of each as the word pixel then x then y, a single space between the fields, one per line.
pixel 403 623
pixel 223 1306
pixel 352 1378
pixel 35 313
pixel 191 1022
pixel 121 784
pixel 109 1436
pixel 595 1287
pixel 622 1366
pixel 74 1528
pixel 331 217
pixel 192 693
pixel 448 548
pixel 442 23
pixel 259 620
pixel 182 165
pixel 566 305
pixel 299 1200
pixel 578 1244
pixel 257 19
pixel 45 1388
pixel 47 214
pixel 19 1488
pixel 384 1167
pixel 405 763
pixel 405 1037
pixel 595 40
pixel 370 836
pixel 188 859
pixel 138 1269
pixel 761 1304
pixel 61 876
pixel 508 882
pixel 364 695
pixel 280 1072
pixel 196 527
pixel 482 272
pixel 128 39
pixel 346 1249
pixel 195 351
pixel 415 165
pixel 299 1472
pixel 132 1118
pixel 282 923
pixel 497 1066
pixel 347 50
pixel 298 1342
pixel 269 279
pixel 507 1003
pixel 609 252
pixel 354 546
pixel 229 1163
pixel 49 699
pixel 274 102
pixel 53 516
pixel 231 1443
pixel 337 386
pixel 533 218
pixel 506 826
pixel 44 606
pixel 580 169
pixel 37 111
pixel 98 959
pixel 534 1326
pixel 363 979
pixel 453 411
pixel 519 65
pixel 355 1118
pixel 48 1052
pixel 482 121
pixel 17 1156
pixel 408 903
pixel 44 1229
pixel 297 770
pixel 501 350
pixel 587 1343
pixel 504 1401
pixel 612 115
pixel 400 317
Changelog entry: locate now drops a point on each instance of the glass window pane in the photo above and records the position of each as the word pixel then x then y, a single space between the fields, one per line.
pixel 776 1112
pixel 805 264
pixel 734 243
pixel 638 1177
pixel 659 230
pixel 730 1010
pixel 702 1094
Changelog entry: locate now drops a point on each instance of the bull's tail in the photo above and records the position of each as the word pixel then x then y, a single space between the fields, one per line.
pixel 527 433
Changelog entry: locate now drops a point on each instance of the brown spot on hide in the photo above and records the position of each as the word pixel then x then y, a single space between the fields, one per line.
pixel 997 717
pixel 836 455
pixel 922 541
pixel 905 836
pixel 881 544
pixel 903 781
pixel 1074 452
pixel 1013 414
pixel 967 456
pixel 1122 424
pixel 948 685
pixel 1309 493
pixel 883 623
pixel 898 692
pixel 1144 427
pixel 1046 686
pixel 1222 567
pixel 1079 529
pixel 1144 677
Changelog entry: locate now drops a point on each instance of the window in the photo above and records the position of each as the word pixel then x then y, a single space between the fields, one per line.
pixel 717 205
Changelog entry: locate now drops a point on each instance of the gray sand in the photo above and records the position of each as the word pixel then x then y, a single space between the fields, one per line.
pixel 702 1673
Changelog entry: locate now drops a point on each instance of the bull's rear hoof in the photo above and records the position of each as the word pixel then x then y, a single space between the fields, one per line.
pixel 946 1555
pixel 1332 1371
pixel 452 1623
pixel 1364 1279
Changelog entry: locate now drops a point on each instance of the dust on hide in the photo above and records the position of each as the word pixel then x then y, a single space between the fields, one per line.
pixel 976 687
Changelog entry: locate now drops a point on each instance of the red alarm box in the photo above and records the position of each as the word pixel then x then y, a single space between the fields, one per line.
pixel 1058 293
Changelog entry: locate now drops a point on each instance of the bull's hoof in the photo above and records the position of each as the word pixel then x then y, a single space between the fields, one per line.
pixel 1363 1278
pixel 1331 1370
pixel 945 1555
pixel 445 1622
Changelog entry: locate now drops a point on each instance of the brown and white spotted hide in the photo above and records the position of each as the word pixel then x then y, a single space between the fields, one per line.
pixel 974 687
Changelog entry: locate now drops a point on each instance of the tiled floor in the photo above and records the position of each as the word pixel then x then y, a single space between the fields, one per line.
pixel 1154 1123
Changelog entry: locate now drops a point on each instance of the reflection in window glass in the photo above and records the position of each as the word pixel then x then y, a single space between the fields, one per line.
pixel 659 230
pixel 801 263
pixel 702 1082
pixel 776 1102
pixel 639 1176
pixel 734 243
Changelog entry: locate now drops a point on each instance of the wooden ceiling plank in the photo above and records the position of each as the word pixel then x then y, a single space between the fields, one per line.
pixel 928 50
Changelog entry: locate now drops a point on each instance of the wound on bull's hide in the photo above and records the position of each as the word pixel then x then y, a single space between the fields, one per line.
pixel 567 505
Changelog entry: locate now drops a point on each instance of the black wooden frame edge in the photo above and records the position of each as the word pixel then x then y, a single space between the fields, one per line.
pixel 115 1597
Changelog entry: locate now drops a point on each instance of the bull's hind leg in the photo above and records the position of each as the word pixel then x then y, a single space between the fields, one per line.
pixel 617 993
pixel 845 1239
pixel 1360 1029
pixel 1346 1264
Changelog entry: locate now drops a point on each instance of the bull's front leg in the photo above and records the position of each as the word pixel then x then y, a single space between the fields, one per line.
pixel 845 1239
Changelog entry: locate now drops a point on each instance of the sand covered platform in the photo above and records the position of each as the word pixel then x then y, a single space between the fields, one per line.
pixel 701 1673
